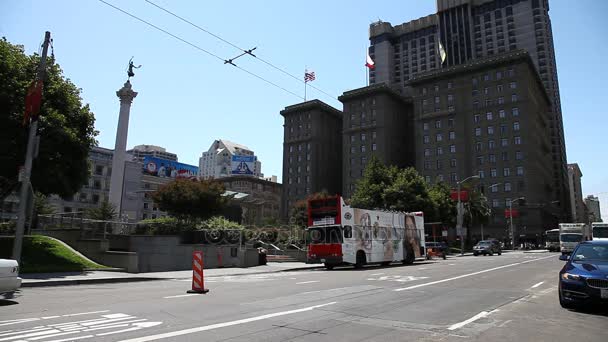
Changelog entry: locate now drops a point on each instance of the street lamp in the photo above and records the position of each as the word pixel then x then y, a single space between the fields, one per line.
pixel 459 213
pixel 511 220
pixel 490 187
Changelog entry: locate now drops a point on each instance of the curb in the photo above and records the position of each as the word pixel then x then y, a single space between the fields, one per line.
pixel 67 282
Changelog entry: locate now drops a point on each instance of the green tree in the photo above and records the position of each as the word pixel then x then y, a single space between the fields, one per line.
pixel 105 212
pixel 445 208
pixel 191 200
pixel 66 126
pixel 392 188
pixel 370 188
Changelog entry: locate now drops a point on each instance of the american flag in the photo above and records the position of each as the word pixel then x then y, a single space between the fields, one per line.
pixel 309 76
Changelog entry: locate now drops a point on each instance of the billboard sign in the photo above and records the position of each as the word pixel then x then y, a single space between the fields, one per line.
pixel 168 168
pixel 243 165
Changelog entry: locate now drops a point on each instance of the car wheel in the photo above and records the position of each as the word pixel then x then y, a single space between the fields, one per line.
pixel 329 267
pixel 564 304
pixel 491 253
pixel 475 253
pixel 499 252
pixel 444 256
pixel 361 259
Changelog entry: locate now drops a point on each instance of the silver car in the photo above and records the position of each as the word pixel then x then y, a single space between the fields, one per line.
pixel 9 277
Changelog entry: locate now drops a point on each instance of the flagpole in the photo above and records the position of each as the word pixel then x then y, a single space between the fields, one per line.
pixel 366 71
pixel 305 82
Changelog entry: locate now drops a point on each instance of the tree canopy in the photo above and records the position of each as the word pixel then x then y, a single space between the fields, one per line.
pixel 66 126
pixel 105 212
pixel 191 200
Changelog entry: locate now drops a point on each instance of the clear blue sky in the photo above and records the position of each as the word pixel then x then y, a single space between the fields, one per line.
pixel 187 98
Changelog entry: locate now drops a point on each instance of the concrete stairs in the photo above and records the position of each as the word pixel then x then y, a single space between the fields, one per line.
pixel 280 258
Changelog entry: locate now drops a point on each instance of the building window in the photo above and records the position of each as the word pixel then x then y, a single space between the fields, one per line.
pixel 308 156
pixel 374 135
pixel 450 98
pixel 425 139
pixel 439 137
pixel 449 85
pixel 501 100
pixel 477 131
pixel 490 130
pixel 516 126
pixel 480 160
pixel 481 174
pixel 491 144
pixel 504 142
pixel 478 147
pixel 486 77
pixel 513 85
pixel 493 174
pixel 450 122
pixel 503 129
pixel 362 148
pixel 474 80
pixel 506 172
pixel 453 177
pixel 99 170
pixel 438 124
pixel 439 151
pixel 507 187
pixel 424 102
pixel 425 126
pixel 499 73
pixel 299 158
pixel 439 165
pixel 308 146
pixel 505 156
pixel 517 140
pixel 499 88
pixel 452 135
pixel 374 147
pixel 352 138
pixel 307 168
pixel 452 148
pixel 489 116
pixel 514 98
pixel 452 162
pixel 495 202
pixel 427 165
pixel 363 160
pixel 501 113
pixel 436 99
pixel 519 155
pixel 488 102
pixel 427 179
pixel 440 178
pixel 515 111
pixel 475 92
pixel 476 118
pixel 492 158
pixel 520 171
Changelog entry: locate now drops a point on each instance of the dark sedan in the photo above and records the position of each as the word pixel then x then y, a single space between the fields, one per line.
pixel 584 278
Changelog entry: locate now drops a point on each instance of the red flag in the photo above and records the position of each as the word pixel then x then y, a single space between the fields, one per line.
pixel 369 62
pixel 32 102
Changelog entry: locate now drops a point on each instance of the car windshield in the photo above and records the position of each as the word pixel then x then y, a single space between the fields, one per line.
pixel 600 232
pixel 484 243
pixel 591 252
pixel 570 237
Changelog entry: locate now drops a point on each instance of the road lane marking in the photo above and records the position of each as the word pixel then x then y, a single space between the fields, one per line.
pixel 422 268
pixel 470 320
pixel 376 274
pixel 308 282
pixel 223 325
pixel 466 275
pixel 72 338
pixel 184 295
pixel 537 285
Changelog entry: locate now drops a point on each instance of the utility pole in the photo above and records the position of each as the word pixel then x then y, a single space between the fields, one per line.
pixel 29 156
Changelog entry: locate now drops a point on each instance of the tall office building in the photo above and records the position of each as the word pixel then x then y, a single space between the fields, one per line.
pixel 377 121
pixel 312 151
pixel 489 118
pixel 217 161
pixel 593 208
pixel 577 204
pixel 139 152
pixel 470 30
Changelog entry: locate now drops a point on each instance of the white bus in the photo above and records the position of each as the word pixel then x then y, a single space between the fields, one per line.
pixel 599 230
pixel 552 240
pixel 339 234
pixel 570 234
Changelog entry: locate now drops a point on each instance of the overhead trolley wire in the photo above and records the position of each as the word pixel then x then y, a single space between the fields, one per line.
pixel 196 47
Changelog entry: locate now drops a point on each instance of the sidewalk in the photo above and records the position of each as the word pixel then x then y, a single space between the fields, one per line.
pixel 105 277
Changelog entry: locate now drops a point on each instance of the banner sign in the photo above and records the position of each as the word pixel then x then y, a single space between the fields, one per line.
pixel 168 168
pixel 243 165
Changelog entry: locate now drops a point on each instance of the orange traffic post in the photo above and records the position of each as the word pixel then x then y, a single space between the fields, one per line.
pixel 198 281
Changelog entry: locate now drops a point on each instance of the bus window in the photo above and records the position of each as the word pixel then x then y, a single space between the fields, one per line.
pixel 348 232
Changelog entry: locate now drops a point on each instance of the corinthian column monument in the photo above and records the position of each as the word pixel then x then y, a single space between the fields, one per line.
pixel 126 96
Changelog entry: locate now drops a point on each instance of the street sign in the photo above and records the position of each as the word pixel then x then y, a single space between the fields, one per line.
pixel 464 195
pixel 511 213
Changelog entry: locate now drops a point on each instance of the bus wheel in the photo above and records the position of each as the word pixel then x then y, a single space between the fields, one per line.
pixel 329 267
pixel 385 263
pixel 361 259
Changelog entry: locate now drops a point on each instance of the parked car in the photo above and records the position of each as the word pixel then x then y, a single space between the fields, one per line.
pixel 584 278
pixel 9 277
pixel 487 247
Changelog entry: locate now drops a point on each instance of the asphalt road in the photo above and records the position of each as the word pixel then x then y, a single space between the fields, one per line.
pixel 497 298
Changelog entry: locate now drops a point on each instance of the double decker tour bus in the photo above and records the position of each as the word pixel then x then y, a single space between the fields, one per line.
pixel 339 234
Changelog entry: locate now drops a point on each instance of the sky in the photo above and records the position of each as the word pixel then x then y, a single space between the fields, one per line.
pixel 188 98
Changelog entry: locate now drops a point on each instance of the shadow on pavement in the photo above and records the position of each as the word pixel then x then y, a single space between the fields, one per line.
pixel 379 267
pixel 7 302
pixel 56 275
pixel 594 310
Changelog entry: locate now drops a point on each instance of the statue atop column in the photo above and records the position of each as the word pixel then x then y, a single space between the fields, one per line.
pixel 131 67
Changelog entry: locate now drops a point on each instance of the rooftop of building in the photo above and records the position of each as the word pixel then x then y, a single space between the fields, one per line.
pixel 148 148
pixel 311 105
pixel 378 88
pixel 247 179
pixel 506 58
